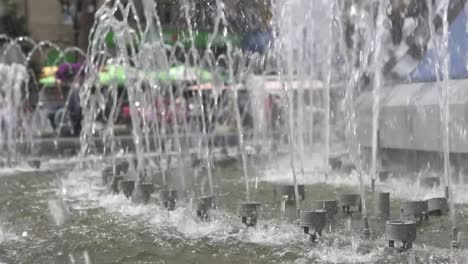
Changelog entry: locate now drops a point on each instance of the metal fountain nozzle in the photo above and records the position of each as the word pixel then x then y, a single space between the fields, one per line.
pixel 456 238
pixel 366 231
pixel 284 200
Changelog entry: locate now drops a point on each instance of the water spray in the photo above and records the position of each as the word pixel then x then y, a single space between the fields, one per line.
pixel 377 65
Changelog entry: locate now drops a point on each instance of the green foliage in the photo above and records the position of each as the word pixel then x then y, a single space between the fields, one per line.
pixel 10 23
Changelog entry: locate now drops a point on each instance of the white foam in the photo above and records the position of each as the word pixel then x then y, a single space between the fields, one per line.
pixel 272 233
pixel 7 235
pixel 21 168
pixel 80 188
pixel 348 254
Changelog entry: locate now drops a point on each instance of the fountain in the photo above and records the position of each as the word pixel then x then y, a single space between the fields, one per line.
pixel 319 112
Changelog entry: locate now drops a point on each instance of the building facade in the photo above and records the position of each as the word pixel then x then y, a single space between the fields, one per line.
pixel 54 20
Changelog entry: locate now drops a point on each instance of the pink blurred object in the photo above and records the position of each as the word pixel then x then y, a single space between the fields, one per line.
pixel 126 111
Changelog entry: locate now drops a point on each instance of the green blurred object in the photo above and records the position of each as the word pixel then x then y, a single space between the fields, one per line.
pixel 117 74
pixel 55 57
pixel 113 74
pixel 182 73
pixel 48 81
pixel 110 39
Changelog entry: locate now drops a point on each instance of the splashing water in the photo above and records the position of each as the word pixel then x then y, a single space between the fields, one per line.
pixel 177 97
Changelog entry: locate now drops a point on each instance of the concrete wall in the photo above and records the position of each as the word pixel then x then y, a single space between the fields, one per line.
pixel 44 19
pixel 410 127
pixel 410 117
